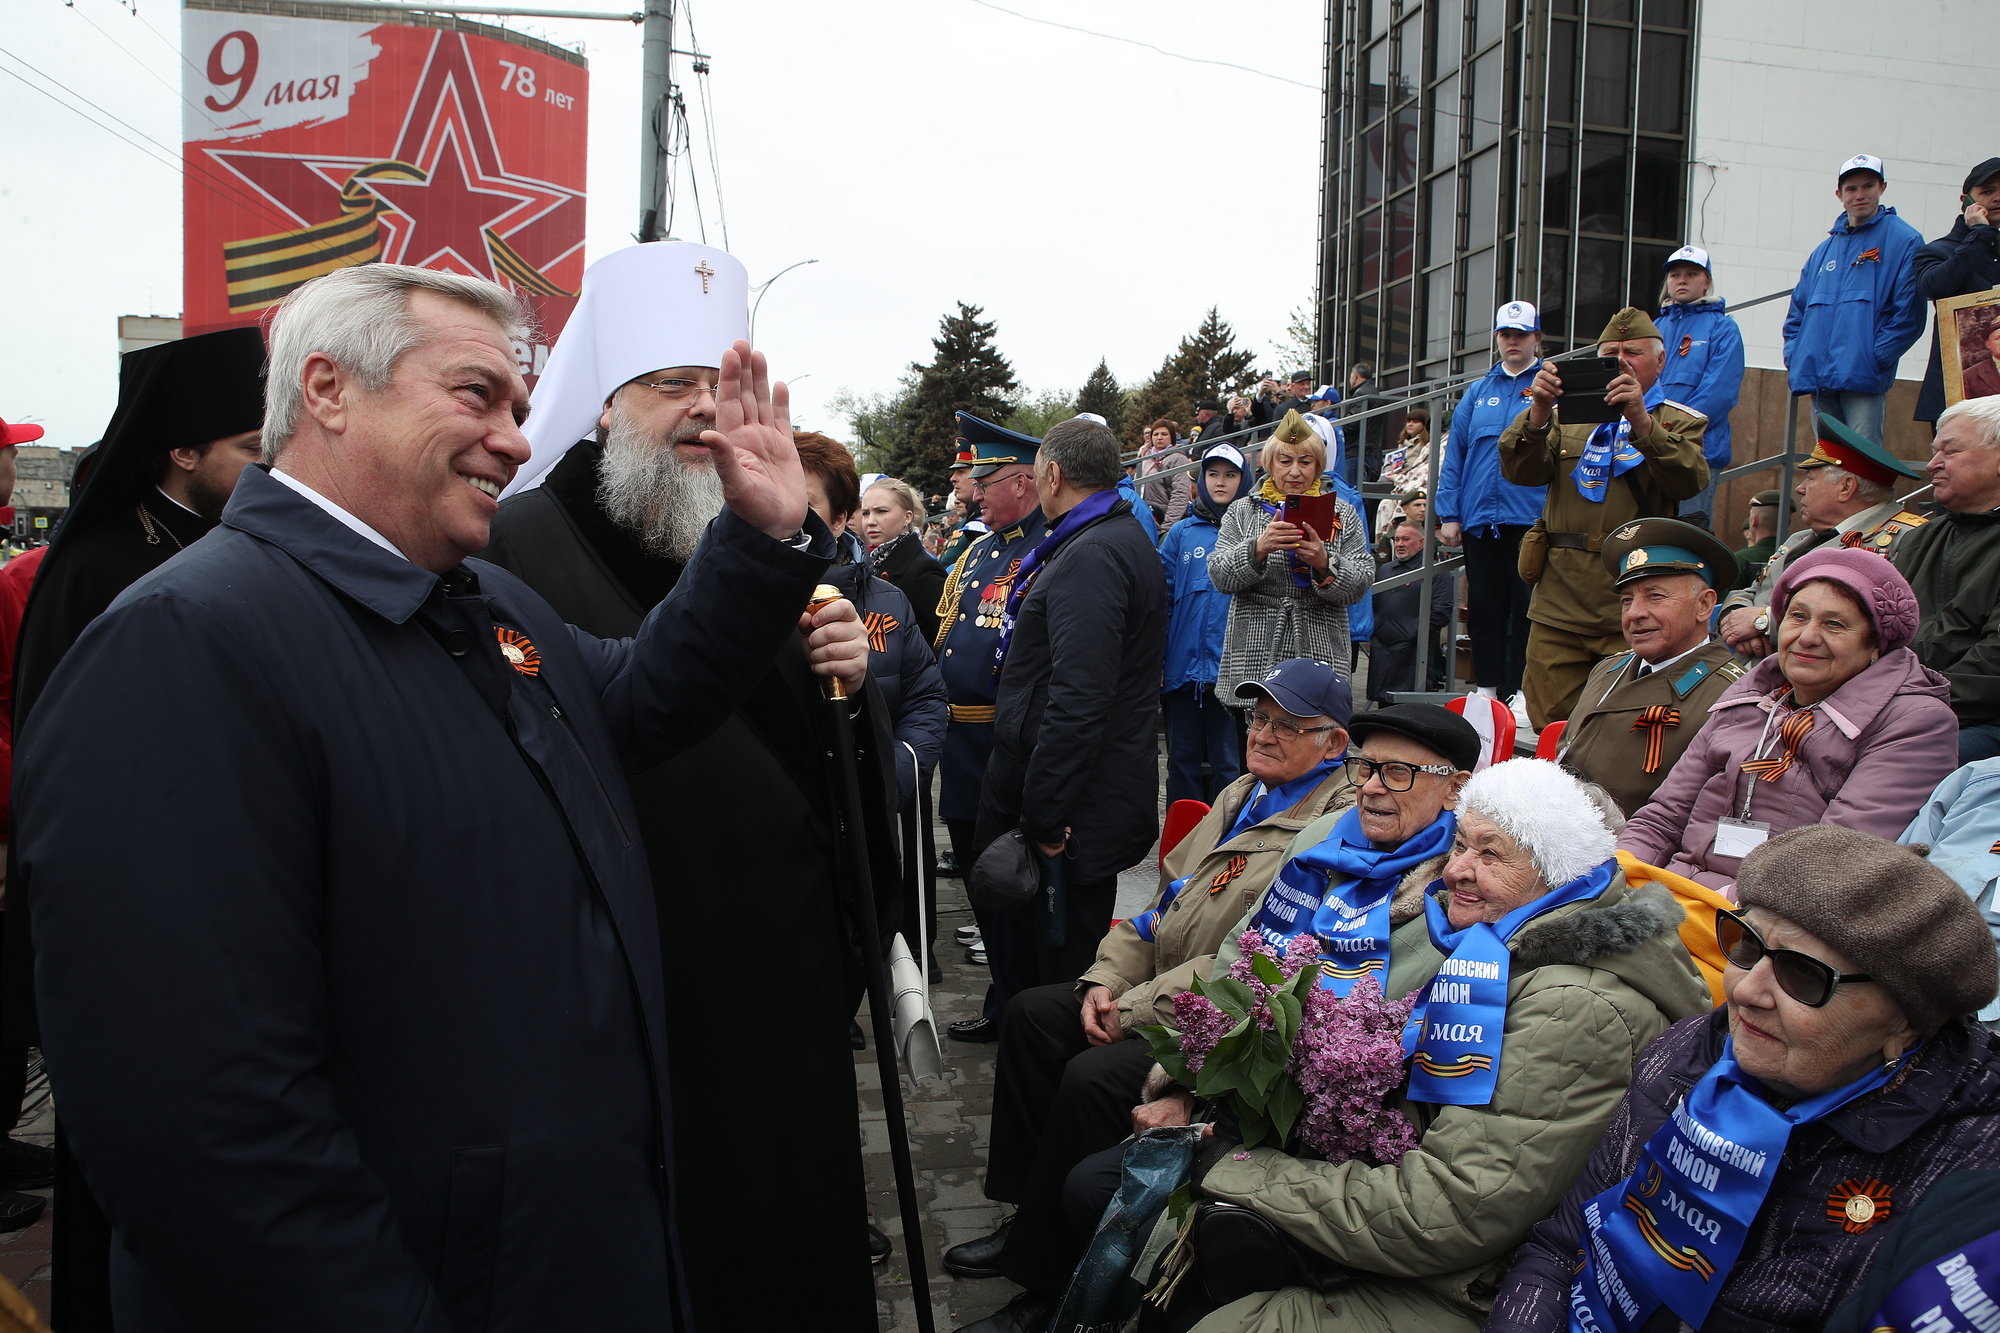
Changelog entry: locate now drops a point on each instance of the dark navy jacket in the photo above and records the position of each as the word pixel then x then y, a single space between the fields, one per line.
pixel 1964 260
pixel 346 948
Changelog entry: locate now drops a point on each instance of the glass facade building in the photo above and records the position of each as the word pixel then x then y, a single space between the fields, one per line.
pixel 1480 151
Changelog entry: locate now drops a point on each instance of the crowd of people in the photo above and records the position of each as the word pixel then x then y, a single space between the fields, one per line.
pixel 478 777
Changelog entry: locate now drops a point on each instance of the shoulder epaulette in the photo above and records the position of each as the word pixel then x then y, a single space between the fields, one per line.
pixel 1616 664
pixel 1695 412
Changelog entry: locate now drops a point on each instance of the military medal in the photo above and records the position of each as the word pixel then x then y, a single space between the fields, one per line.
pixel 1859 1204
pixel 519 650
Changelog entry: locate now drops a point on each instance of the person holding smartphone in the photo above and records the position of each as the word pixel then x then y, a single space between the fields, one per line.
pixel 1599 477
pixel 1965 260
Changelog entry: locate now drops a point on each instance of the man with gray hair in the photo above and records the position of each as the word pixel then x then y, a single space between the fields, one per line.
pixel 1953 565
pixel 1845 493
pixel 1075 765
pixel 377 1041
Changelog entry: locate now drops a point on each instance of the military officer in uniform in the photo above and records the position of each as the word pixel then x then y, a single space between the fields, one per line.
pixel 1640 708
pixel 1846 492
pixel 1599 478
pixel 1002 473
pixel 961 489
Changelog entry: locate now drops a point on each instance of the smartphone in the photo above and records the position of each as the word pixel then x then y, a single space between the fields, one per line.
pixel 1321 511
pixel 1584 381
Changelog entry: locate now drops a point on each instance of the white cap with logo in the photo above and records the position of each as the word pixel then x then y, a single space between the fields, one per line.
pixel 1863 162
pixel 1517 315
pixel 1689 254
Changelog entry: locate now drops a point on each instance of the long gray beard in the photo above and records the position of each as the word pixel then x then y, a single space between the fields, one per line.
pixel 645 487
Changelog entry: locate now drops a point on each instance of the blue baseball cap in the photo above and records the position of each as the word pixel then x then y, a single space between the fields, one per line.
pixel 1303 688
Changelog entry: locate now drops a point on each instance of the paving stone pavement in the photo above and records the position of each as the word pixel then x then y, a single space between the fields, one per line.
pixel 24 1255
pixel 949 1119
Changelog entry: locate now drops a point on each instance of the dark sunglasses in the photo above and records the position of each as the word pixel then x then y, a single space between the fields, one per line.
pixel 1803 977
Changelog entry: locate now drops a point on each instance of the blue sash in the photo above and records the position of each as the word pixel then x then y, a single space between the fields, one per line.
pixel 1963 1286
pixel 1453 1038
pixel 1340 891
pixel 1669 1233
pixel 1260 807
pixel 1264 803
pixel 1610 452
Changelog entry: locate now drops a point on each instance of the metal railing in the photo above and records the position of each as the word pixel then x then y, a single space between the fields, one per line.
pixel 1436 392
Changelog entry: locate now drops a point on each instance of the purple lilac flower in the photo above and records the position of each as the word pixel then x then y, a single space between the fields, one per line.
pixel 1201 1026
pixel 1348 1057
pixel 1302 952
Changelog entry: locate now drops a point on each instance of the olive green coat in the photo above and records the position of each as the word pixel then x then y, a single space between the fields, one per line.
pixel 1591 984
pixel 1224 877
pixel 1574 589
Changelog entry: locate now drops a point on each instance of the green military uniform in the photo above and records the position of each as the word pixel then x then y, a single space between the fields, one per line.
pixel 1634 721
pixel 1875 528
pixel 1574 613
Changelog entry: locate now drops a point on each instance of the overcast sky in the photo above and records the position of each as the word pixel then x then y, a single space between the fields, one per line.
pixel 1093 196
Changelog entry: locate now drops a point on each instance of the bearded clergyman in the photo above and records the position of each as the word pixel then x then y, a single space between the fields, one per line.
pixel 740 830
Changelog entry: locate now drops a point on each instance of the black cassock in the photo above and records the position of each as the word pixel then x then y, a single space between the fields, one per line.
pixel 761 972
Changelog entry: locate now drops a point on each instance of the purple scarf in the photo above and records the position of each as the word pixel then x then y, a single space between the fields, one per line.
pixel 1094 507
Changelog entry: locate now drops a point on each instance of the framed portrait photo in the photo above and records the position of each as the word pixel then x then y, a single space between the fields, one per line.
pixel 1969 341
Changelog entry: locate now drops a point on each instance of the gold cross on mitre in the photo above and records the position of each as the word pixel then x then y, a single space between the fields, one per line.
pixel 706 273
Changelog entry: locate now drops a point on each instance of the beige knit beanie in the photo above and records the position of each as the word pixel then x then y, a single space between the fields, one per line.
pixel 1898 917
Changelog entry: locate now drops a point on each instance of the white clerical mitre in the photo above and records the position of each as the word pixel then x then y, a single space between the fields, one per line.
pixel 644 308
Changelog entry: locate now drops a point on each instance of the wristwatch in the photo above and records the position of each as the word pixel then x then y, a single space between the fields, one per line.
pixel 1762 624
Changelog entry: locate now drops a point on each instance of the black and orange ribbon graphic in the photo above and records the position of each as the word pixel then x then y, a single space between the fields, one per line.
pixel 263 270
pixel 1850 540
pixel 1237 865
pixel 1654 720
pixel 1791 735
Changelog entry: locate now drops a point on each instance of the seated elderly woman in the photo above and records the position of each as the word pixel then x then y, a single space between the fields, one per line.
pixel 1290 586
pixel 1071 1064
pixel 1841 725
pixel 1591 971
pixel 1764 1150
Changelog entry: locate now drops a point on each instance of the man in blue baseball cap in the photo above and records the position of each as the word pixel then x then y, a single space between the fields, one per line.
pixel 1704 363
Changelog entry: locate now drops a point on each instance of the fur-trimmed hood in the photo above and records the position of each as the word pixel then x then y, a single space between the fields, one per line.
pixel 1631 932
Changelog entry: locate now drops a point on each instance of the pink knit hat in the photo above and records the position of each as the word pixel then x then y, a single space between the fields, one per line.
pixel 1881 591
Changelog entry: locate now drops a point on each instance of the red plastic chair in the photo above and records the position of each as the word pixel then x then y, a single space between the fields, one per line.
pixel 1494 721
pixel 1551 740
pixel 1182 816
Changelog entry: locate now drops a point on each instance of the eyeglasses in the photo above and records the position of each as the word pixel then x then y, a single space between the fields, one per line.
pixel 677 391
pixel 1395 776
pixel 1809 980
pixel 981 484
pixel 1283 730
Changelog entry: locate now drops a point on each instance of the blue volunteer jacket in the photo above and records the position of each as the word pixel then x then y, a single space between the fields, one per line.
pixel 1197 614
pixel 1471 491
pixel 1856 309
pixel 1704 367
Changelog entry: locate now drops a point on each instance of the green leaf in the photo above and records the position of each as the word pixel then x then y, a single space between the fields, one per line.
pixel 1181 1202
pixel 1218 1079
pixel 1266 1063
pixel 1303 983
pixel 1232 997
pixel 1286 1103
pixel 1166 1050
pixel 1255 1128
pixel 1286 1012
pixel 1266 969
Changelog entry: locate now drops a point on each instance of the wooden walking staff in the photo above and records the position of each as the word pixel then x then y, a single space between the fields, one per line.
pixel 854 850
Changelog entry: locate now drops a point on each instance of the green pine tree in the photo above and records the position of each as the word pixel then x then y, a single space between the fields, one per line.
pixel 1101 394
pixel 967 374
pixel 1207 364
pixel 1038 412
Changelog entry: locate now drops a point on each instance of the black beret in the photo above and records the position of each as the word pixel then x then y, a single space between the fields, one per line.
pixel 1427 724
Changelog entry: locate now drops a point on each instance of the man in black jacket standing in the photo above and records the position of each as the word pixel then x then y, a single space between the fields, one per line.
pixel 1075 764
pixel 378 1041
pixel 1965 260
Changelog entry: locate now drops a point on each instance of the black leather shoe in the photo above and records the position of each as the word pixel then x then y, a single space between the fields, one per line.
pixel 976 1258
pixel 1026 1313
pixel 20 1211
pixel 879 1247
pixel 973 1029
pixel 855 1037
pixel 26 1166
pixel 947 865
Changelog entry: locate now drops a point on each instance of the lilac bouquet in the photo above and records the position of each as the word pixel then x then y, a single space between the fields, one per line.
pixel 1288 1058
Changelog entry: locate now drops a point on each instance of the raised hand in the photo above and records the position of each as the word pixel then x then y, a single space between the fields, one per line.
pixel 755 460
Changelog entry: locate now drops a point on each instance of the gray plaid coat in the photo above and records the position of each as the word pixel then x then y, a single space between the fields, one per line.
pixel 1270 620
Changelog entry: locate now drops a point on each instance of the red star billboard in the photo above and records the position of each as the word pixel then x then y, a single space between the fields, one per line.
pixel 314 143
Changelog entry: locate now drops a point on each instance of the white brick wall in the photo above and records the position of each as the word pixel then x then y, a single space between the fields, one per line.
pixel 1787 90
